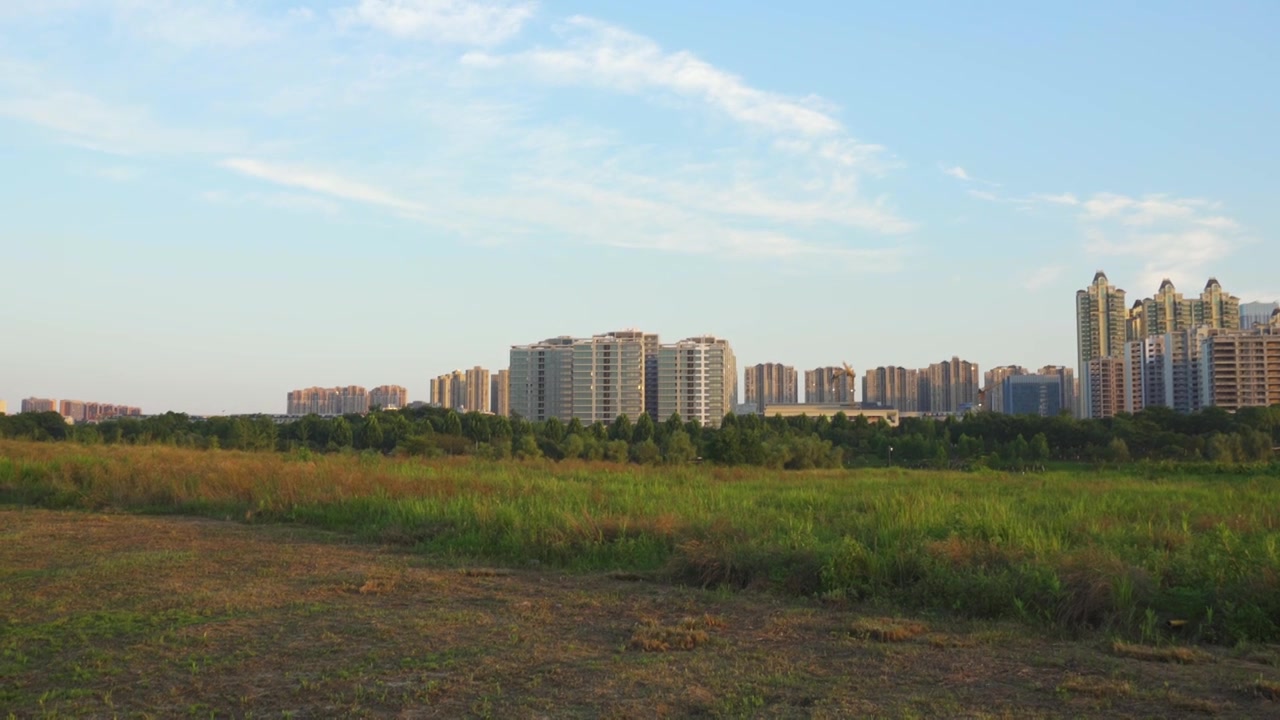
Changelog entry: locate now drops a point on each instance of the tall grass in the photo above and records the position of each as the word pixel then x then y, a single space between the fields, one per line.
pixel 1071 549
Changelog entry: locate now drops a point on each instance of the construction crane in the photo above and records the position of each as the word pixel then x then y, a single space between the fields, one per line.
pixel 846 372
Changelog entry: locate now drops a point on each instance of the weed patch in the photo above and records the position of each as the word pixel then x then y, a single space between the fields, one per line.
pixel 652 636
pixel 887 630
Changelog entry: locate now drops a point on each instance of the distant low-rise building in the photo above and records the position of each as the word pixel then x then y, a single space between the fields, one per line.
pixel 891 416
pixel 38 405
pixel 351 399
pixel 389 397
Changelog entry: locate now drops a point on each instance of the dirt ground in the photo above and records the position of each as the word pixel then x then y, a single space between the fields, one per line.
pixel 113 615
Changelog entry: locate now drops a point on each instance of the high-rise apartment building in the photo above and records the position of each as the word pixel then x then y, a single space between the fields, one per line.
pixel 697 378
pixel 475 385
pixel 1242 368
pixel 73 409
pixel 952 385
pixel 829 385
pixel 894 387
pixel 1163 370
pixel 1105 386
pixel 771 384
pixel 649 341
pixel 1101 329
pixel 1256 313
pixel 542 379
pixel 993 386
pixel 1168 311
pixel 389 397
pixel 608 374
pixel 1069 384
pixel 38 405
pixel 449 391
pixel 500 393
pixel 4 408
pixel 351 399
pixel 1025 394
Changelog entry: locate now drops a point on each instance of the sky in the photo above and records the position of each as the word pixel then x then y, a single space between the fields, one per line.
pixel 207 203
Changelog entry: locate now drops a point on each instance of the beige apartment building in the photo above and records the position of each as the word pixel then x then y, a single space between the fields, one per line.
pixel 828 385
pixel 892 386
pixel 770 384
pixel 1102 327
pixel 39 405
pixel 449 391
pixel 389 397
pixel 475 386
pixel 650 343
pixel 1241 369
pixel 698 379
pixel 829 410
pixel 500 393
pixel 351 399
pixel 4 408
pixel 1168 311
pixel 1106 388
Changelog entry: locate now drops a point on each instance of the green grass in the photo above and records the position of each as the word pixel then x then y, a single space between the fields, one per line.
pixel 1070 549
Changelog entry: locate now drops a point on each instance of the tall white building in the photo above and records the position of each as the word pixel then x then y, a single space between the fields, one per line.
pixel 609 377
pixel 697 378
pixel 541 379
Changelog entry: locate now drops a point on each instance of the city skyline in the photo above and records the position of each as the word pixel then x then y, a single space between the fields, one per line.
pixel 211 203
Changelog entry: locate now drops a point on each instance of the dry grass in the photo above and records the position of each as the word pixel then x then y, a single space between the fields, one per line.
pixel 888 630
pixel 1268 689
pixel 652 636
pixel 173 617
pixel 1197 705
pixel 1168 654
pixel 1095 686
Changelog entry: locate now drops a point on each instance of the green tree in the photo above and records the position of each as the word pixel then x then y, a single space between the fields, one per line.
pixel 371 433
pixel 340 434
pixel 527 448
pixel 1039 448
pixel 678 448
pixel 644 429
pixel 621 429
pixel 616 451
pixel 573 447
pixel 645 453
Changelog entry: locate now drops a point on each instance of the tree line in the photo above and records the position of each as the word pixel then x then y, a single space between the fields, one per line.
pixel 973 440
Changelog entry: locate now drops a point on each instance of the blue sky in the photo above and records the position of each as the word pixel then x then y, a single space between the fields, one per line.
pixel 207 204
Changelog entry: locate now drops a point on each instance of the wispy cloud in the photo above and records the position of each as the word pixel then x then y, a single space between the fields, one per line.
pixel 602 54
pixel 957 172
pixel 1042 277
pixel 296 202
pixel 191 24
pixel 322 182
pixel 87 121
pixel 467 22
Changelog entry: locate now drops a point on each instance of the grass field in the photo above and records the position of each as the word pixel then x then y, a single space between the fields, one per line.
pixel 120 615
pixel 1152 559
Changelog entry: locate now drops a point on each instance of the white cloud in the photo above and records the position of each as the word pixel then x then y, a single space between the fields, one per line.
pixel 1060 199
pixel 84 120
pixel 1042 277
pixel 468 22
pixel 609 56
pixel 321 182
pixel 189 24
pixel 957 172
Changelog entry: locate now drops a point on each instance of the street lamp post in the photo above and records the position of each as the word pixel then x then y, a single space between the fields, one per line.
pixel 891 455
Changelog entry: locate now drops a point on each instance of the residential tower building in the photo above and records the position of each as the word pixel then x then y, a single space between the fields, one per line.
pixel 771 384
pixel 541 379
pixel 698 379
pixel 830 385
pixel 500 393
pixel 389 397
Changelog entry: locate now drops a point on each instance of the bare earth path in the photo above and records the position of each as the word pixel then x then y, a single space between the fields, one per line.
pixel 106 615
